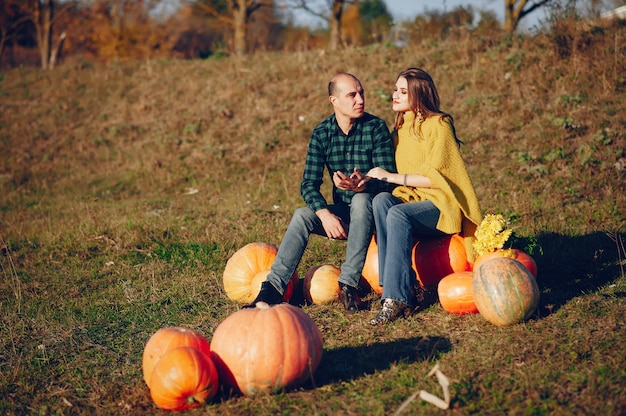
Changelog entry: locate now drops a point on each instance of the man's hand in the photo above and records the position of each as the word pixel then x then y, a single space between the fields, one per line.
pixel 355 182
pixel 342 181
pixel 333 225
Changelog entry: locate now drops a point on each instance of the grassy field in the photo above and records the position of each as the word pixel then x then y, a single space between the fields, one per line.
pixel 125 188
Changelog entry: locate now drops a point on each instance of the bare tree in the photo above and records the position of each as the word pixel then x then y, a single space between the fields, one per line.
pixel 331 11
pixel 516 10
pixel 12 17
pixel 43 15
pixel 237 16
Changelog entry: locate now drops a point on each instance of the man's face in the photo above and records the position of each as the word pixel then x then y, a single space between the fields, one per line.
pixel 349 100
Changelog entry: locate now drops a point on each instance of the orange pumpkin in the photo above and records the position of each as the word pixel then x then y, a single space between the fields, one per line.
pixel 455 293
pixel 166 339
pixel 370 269
pixel 434 259
pixel 266 349
pixel 321 284
pixel 247 268
pixel 183 378
pixel 505 292
pixel 524 258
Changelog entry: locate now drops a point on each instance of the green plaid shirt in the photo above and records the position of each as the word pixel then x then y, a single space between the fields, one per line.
pixel 367 145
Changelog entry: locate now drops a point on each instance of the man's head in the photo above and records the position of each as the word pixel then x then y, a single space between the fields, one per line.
pixel 347 96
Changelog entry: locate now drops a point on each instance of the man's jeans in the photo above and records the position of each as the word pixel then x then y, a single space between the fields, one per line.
pixel 397 226
pixel 360 218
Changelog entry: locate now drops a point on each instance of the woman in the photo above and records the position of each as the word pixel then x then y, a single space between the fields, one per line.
pixel 435 196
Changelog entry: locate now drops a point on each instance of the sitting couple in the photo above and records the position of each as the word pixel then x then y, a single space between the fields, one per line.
pixel 429 194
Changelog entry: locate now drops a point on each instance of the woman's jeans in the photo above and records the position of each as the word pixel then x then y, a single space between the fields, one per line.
pixel 358 214
pixel 397 226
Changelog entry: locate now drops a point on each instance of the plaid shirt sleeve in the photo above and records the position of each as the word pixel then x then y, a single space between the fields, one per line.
pixel 367 145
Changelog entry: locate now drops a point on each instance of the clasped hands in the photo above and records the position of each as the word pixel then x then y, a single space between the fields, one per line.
pixel 357 180
pixel 334 227
pixel 354 182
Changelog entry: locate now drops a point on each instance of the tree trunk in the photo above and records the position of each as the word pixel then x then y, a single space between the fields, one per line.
pixel 334 25
pixel 240 23
pixel 57 50
pixel 514 11
pixel 43 15
pixel 512 14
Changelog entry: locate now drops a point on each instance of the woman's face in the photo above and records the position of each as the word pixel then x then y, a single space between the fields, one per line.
pixel 401 96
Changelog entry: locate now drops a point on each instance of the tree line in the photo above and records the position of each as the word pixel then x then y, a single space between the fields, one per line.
pixel 42 31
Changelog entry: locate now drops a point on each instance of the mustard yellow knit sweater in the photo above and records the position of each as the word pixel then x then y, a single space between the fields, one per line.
pixel 434 153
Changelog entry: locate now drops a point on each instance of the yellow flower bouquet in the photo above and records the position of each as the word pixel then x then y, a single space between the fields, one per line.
pixel 491 234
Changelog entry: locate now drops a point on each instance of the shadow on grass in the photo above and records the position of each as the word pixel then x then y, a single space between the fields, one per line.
pixel 569 266
pixel 349 363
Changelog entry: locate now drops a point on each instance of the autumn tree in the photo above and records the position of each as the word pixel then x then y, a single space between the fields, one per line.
pixel 516 10
pixel 234 13
pixel 42 14
pixel 126 29
pixel 365 22
pixel 377 21
pixel 13 25
pixel 353 30
pixel 435 24
pixel 330 11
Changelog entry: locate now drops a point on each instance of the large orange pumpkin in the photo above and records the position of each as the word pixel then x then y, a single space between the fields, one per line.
pixel 455 293
pixel 519 255
pixel 247 268
pixel 434 259
pixel 166 339
pixel 370 269
pixel 321 284
pixel 505 292
pixel 266 349
pixel 183 378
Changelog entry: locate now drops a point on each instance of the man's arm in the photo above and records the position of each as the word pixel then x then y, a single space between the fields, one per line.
pixel 383 157
pixel 312 177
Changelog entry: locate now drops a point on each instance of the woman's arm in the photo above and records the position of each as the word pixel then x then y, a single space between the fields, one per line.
pixel 416 181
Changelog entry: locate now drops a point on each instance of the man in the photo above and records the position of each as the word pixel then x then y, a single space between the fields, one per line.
pixel 347 142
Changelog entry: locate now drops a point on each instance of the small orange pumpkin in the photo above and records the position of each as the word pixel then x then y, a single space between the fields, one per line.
pixel 321 284
pixel 247 268
pixel 266 349
pixel 455 293
pixel 370 269
pixel 434 259
pixel 166 339
pixel 183 378
pixel 519 255
pixel 505 292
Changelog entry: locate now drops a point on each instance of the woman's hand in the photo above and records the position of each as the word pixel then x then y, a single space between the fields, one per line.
pixel 379 173
pixel 376 173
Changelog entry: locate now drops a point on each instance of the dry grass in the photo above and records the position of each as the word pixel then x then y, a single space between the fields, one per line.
pixel 103 241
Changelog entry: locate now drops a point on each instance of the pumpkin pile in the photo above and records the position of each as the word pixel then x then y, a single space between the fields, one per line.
pixel 502 287
pixel 431 260
pixel 178 369
pixel 264 349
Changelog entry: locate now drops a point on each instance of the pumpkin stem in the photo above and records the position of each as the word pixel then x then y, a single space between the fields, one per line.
pixel 262 305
